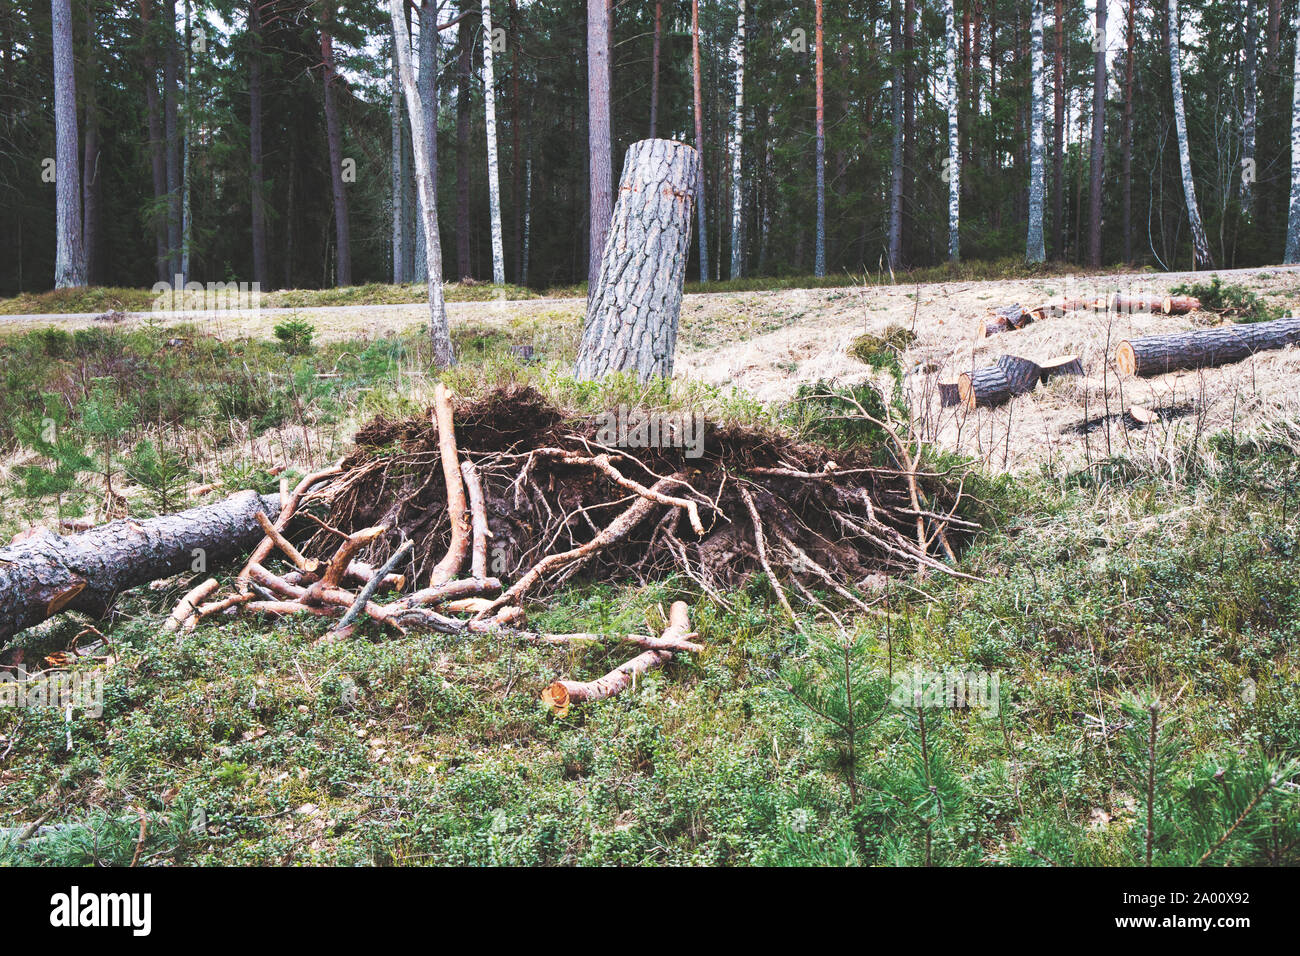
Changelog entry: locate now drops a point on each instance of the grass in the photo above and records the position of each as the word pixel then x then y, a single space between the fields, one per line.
pixel 1099 592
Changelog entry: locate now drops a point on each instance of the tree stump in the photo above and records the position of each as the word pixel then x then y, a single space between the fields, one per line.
pixel 1204 348
pixel 984 387
pixel 1061 365
pixel 632 322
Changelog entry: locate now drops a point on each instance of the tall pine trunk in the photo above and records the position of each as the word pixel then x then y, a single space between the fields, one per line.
pixel 1098 138
pixel 465 69
pixel 426 185
pixel 896 157
pixel 701 222
pixel 428 79
pixel 257 182
pixel 171 126
pixel 157 155
pixel 737 135
pixel 1035 250
pixel 69 254
pixel 334 135
pixel 1200 244
pixel 909 130
pixel 953 174
pixel 819 262
pixel 1058 135
pixel 90 181
pixel 599 155
pixel 1127 173
pixel 654 69
pixel 397 170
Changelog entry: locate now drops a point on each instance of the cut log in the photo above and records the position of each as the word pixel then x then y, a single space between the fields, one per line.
pixel 450 565
pixel 631 324
pixel 1128 304
pixel 1059 366
pixel 1204 348
pixel 984 387
pixel 1180 304
pixel 86 572
pixel 1006 318
pixel 1021 374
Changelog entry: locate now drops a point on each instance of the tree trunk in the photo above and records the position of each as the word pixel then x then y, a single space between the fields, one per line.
pixel 428 79
pixel 599 156
pixel 1200 244
pixel 334 134
pixel 984 387
pixel 90 182
pixel 70 256
pixel 516 120
pixel 896 157
pixel 398 173
pixel 737 134
pixel 157 154
pixel 954 145
pixel 701 225
pixel 493 169
pixel 909 131
pixel 1127 188
pixel 427 190
pixel 819 265
pixel 632 322
pixel 187 225
pixel 171 126
pixel 1248 118
pixel 654 69
pixel 1098 138
pixel 1293 219
pixel 1204 348
pixel 1035 249
pixel 86 572
pixel 1058 136
pixel 465 67
pixel 261 269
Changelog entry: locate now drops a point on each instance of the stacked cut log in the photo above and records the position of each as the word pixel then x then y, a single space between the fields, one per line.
pixel 1204 348
pixel 1012 376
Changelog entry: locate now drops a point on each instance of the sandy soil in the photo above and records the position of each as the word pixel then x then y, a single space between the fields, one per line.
pixel 767 344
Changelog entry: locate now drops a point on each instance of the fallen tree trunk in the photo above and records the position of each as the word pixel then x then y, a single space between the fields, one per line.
pixel 1204 348
pixel 86 572
pixel 984 387
pixel 1007 318
pixel 1022 374
pixel 1180 304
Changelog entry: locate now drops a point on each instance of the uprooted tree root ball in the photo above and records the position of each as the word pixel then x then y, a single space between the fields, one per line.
pixel 468 513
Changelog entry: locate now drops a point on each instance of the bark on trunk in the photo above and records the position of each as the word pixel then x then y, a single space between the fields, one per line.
pixel 632 322
pixel 261 268
pixel 654 69
pixel 737 133
pixel 90 159
pixel 1248 117
pixel 954 145
pixel 599 158
pixel 1204 348
pixel 465 66
pixel 397 172
pixel 1035 248
pixel 427 190
pixel 334 134
pixel 984 387
pixel 157 155
pixel 1293 218
pixel 171 127
pixel 1098 138
pixel 896 167
pixel 1127 173
pixel 1200 244
pixel 1058 136
pixel 86 572
pixel 70 256
pixel 1021 374
pixel 701 223
pixel 819 263
pixel 1062 365
pixel 428 75
pixel 494 176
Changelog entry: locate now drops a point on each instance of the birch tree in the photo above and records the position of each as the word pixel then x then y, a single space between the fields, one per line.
pixel 819 265
pixel 426 190
pixel 494 177
pixel 599 157
pixel 737 133
pixel 1200 244
pixel 1293 218
pixel 398 197
pixel 69 254
pixel 334 137
pixel 896 158
pixel 1248 116
pixel 1035 250
pixel 953 171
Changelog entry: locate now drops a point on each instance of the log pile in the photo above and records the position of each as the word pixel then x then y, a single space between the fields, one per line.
pixel 1204 348
pixel 1012 318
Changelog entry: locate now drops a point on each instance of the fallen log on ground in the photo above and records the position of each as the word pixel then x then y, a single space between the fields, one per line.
pixel 1204 348
pixel 1022 374
pixel 86 572
pixel 1179 304
pixel 999 383
pixel 1007 318
pixel 562 694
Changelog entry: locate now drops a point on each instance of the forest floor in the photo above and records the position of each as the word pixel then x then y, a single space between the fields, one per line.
pixel 1123 579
